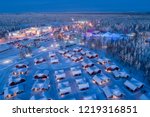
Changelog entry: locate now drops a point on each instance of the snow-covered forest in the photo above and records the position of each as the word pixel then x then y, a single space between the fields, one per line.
pixel 134 51
pixel 115 22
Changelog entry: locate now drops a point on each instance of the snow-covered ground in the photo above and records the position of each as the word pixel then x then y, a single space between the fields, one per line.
pixel 94 91
pixel 66 64
pixel 4 47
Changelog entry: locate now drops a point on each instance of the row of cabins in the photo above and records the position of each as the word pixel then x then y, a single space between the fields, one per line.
pixel 101 79
pixel 42 82
pixel 53 59
pixel 64 87
pixel 14 86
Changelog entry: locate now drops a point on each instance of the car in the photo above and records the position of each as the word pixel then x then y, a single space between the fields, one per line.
pixel 64 88
pixel 120 74
pixel 14 80
pixel 40 85
pixel 82 84
pixel 133 84
pixel 11 92
pixel 111 67
pixel 39 60
pixel 41 74
pixel 76 71
pixel 54 60
pixel 93 70
pixel 87 64
pixel 60 74
pixel 101 79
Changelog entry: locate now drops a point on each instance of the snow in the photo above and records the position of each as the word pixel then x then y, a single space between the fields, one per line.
pixel 63 84
pixel 4 47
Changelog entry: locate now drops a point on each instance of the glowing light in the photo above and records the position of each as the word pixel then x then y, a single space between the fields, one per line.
pixel 115 97
pixel 52 46
pixel 7 61
pixel 93 45
pixel 72 19
pixel 43 49
pixel 109 71
pixel 28 55
pixel 57 45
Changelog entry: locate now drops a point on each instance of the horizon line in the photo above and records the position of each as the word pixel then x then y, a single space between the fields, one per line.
pixel 105 12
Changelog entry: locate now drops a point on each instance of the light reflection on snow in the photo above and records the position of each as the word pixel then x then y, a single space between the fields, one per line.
pixel 7 61
pixel 28 55
pixel 43 49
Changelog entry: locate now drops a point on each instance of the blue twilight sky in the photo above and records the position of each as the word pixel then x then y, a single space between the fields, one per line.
pixel 17 6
